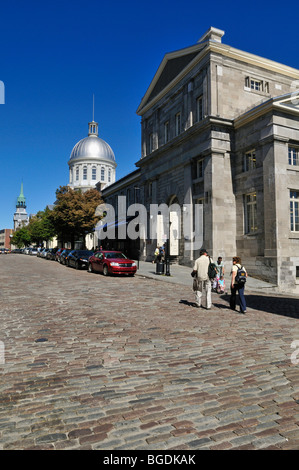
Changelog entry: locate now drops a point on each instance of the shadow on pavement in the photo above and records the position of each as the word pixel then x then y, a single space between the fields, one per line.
pixel 284 306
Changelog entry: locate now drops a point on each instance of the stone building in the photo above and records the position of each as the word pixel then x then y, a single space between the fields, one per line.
pixel 220 131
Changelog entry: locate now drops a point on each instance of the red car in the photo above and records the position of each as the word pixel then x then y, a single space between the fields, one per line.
pixel 111 262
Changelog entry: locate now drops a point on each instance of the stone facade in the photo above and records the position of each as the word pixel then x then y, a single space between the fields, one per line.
pixel 220 128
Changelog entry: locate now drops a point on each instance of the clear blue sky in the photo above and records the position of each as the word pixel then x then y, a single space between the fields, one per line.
pixel 56 54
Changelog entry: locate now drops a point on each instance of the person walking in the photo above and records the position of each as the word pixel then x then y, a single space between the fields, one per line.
pixel 237 285
pixel 220 272
pixel 202 283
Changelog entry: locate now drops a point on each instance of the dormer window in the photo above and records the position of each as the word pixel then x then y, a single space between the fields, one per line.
pixel 256 85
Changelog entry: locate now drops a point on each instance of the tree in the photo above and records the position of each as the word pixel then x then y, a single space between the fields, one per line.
pixel 41 227
pixel 73 215
pixel 21 237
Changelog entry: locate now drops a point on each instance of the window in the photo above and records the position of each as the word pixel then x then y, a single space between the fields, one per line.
pixel 256 84
pixel 150 189
pixel 249 160
pixel 94 173
pixel 293 156
pixel 250 213
pixel 177 123
pixel 109 175
pixel 77 173
pixel 166 132
pixel 85 173
pixel 151 143
pixel 294 211
pixel 199 113
pixel 102 174
pixel 199 168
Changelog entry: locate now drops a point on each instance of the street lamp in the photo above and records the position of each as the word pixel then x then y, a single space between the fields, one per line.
pixel 167 258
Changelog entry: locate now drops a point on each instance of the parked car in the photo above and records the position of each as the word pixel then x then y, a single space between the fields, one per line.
pixel 111 262
pixel 58 253
pixel 44 252
pixel 51 253
pixel 63 256
pixel 39 251
pixel 79 258
pixel 33 251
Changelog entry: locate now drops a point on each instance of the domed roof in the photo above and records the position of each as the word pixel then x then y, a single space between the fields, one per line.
pixel 92 147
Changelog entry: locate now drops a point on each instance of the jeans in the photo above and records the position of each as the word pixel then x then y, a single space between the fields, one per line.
pixel 240 289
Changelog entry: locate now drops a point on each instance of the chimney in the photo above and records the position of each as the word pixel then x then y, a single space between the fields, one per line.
pixel 213 34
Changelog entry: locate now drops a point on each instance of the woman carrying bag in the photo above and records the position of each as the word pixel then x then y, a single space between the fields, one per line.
pixel 238 280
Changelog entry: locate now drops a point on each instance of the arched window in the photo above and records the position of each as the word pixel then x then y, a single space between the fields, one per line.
pixel 77 173
pixel 102 174
pixel 85 172
pixel 94 173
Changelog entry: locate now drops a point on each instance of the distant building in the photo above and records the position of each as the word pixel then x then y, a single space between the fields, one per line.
pixel 5 235
pixel 21 217
pixel 92 162
pixel 220 128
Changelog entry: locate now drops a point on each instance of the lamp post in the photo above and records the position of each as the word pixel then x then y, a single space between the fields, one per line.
pixel 167 258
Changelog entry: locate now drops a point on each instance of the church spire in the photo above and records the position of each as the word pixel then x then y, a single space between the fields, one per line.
pixel 21 201
pixel 93 127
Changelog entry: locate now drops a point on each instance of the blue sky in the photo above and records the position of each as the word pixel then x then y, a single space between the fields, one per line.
pixel 55 55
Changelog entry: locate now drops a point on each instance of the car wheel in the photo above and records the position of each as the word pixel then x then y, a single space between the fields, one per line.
pixel 89 269
pixel 77 265
pixel 105 270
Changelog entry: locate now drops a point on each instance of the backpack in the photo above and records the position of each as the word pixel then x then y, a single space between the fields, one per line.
pixel 240 276
pixel 212 270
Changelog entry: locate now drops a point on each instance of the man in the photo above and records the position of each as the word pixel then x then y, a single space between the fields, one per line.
pixel 203 285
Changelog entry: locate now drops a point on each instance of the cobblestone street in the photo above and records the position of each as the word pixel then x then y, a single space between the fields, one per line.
pixel 94 362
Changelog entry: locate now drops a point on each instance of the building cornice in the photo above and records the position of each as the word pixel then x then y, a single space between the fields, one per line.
pixel 203 50
pixel 284 104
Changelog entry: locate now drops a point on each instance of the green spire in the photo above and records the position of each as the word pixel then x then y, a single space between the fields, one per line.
pixel 21 201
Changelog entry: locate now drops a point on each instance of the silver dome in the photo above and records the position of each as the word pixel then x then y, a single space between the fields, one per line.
pixel 94 148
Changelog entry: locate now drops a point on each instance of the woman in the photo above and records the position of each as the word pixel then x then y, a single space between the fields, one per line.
pixel 235 286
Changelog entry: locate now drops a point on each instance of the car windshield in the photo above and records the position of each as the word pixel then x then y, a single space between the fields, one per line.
pixel 114 255
pixel 85 253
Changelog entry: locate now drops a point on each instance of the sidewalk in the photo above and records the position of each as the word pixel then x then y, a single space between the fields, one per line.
pixel 182 275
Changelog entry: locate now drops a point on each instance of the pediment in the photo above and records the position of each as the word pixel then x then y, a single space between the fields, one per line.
pixel 172 65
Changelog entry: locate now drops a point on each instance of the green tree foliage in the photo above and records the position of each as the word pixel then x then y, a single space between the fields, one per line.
pixel 73 215
pixel 41 227
pixel 21 237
